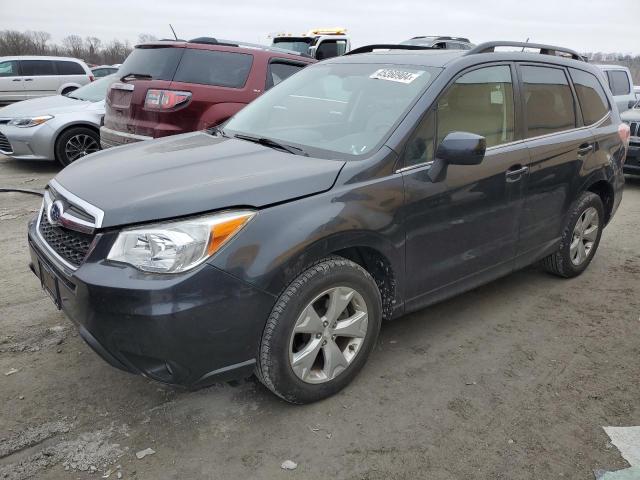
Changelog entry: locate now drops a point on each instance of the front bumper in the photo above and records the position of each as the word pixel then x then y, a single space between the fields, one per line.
pixel 632 164
pixel 191 329
pixel 33 143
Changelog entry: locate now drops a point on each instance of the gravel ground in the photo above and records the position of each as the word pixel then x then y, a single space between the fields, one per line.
pixel 513 380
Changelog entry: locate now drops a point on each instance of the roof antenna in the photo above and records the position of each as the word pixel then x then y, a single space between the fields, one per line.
pixel 174 32
pixel 526 41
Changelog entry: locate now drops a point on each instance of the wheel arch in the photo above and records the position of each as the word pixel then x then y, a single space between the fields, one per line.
pixel 606 192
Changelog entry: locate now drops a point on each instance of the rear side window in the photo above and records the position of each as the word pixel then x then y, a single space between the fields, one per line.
pixel 549 101
pixel 69 68
pixel 9 69
pixel 207 67
pixel 619 82
pixel 160 63
pixel 35 68
pixel 593 100
pixel 279 71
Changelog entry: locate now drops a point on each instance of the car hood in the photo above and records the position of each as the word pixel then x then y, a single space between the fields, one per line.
pixel 56 104
pixel 192 173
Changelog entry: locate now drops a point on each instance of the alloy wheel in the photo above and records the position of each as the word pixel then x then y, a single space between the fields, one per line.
pixel 80 145
pixel 584 236
pixel 328 334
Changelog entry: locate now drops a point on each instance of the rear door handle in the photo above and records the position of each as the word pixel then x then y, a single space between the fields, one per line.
pixel 584 149
pixel 28 79
pixel 515 173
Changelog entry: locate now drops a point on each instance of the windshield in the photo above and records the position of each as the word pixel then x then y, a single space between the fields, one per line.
pixel 94 91
pixel 336 108
pixel 300 45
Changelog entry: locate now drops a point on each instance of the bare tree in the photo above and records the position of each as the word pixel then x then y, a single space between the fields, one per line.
pixel 92 47
pixel 74 46
pixel 40 40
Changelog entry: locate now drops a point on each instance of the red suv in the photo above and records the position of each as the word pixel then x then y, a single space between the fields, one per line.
pixel 169 87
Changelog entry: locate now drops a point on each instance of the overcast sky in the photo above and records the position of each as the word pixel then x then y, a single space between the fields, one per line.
pixel 584 25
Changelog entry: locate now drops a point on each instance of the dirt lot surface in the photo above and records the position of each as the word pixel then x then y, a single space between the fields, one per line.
pixel 514 380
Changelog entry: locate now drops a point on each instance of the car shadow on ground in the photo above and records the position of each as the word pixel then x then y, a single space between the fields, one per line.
pixel 632 181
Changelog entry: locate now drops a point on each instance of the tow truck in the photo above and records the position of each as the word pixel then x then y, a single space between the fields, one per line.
pixel 319 43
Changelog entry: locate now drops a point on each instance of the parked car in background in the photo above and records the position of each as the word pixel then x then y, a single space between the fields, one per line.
pixel 60 127
pixel 434 41
pixel 175 87
pixel 364 187
pixel 632 118
pixel 104 70
pixel 621 85
pixel 319 43
pixel 636 90
pixel 25 77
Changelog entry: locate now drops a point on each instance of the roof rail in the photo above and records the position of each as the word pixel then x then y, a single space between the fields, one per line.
pixel 387 46
pixel 489 47
pixel 439 37
pixel 233 43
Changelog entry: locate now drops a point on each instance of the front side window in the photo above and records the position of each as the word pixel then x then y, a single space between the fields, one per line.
pixel 619 82
pixel 479 102
pixel 207 67
pixel 279 71
pixel 69 68
pixel 548 99
pixel 593 100
pixel 35 68
pixel 9 69
pixel 336 108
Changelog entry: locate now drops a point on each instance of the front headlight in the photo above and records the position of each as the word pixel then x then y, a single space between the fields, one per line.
pixel 175 247
pixel 29 121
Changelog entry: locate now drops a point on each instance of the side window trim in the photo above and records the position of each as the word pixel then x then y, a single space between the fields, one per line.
pixel 518 114
pixel 524 106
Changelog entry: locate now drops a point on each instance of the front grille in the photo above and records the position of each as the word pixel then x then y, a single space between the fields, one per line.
pixel 70 245
pixel 5 146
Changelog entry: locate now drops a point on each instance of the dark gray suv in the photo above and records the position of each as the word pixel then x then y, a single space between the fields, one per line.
pixel 359 189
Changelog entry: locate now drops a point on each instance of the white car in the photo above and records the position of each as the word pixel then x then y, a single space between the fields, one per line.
pixel 61 127
pixel 25 77
pixel 621 85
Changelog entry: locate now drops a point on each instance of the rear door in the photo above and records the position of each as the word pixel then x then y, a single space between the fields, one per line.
pixel 464 228
pixel 39 77
pixel 11 82
pixel 560 147
pixel 70 72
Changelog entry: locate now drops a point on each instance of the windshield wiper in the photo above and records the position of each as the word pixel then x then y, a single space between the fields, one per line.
pixel 136 76
pixel 217 130
pixel 267 142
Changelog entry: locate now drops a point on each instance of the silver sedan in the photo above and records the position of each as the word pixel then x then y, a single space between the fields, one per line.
pixel 62 128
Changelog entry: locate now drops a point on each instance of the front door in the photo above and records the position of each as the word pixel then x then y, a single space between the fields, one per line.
pixel 39 77
pixel 11 83
pixel 462 229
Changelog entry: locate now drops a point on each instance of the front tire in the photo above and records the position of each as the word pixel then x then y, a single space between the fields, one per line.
pixel 76 143
pixel 320 332
pixel 580 238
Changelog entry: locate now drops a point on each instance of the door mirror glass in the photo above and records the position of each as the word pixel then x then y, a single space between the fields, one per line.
pixel 462 148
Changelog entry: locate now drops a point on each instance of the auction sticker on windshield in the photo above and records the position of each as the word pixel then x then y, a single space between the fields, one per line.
pixel 395 75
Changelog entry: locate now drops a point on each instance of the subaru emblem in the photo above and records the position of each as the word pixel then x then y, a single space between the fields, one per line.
pixel 54 213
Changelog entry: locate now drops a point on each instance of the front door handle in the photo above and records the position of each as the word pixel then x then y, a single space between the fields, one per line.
pixel 28 79
pixel 16 80
pixel 515 173
pixel 584 149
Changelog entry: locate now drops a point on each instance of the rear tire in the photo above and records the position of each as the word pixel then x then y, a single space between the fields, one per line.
pixel 335 355
pixel 75 143
pixel 580 238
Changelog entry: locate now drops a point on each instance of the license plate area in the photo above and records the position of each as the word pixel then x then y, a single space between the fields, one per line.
pixel 49 283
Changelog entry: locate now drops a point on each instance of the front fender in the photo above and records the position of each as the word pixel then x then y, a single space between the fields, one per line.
pixel 283 240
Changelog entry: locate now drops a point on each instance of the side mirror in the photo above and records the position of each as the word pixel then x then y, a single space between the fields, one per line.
pixel 457 148
pixel 462 148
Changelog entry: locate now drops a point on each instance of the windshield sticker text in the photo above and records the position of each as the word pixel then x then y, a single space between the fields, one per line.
pixel 394 75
